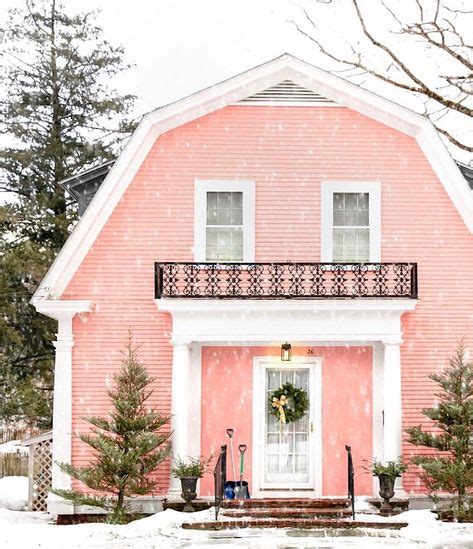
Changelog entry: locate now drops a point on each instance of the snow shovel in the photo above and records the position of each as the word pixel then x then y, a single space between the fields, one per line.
pixel 229 485
pixel 230 436
pixel 241 490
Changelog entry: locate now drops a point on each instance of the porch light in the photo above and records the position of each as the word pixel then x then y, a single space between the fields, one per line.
pixel 286 352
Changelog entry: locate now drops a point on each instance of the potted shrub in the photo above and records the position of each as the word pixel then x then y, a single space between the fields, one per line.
pixel 189 471
pixel 387 475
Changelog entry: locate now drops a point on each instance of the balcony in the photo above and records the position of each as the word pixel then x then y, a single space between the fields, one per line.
pixel 285 280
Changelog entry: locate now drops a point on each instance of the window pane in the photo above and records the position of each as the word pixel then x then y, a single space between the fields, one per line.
pixel 338 237
pixel 337 253
pixel 350 209
pixel 224 208
pixel 212 236
pixel 351 245
pixel 224 200
pixel 363 245
pixel 338 217
pixel 236 217
pixel 224 216
pixel 224 244
pixel 363 217
pixel 212 200
pixel 363 201
pixel 237 200
pixel 338 201
pixel 212 216
pixel 349 238
pixel 237 237
pixel 351 202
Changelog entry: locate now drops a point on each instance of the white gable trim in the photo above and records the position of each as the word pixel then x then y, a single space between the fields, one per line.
pixel 228 92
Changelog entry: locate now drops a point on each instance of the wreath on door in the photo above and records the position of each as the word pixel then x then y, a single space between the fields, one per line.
pixel 288 403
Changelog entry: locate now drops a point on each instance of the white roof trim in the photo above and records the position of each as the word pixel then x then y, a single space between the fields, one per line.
pixel 229 92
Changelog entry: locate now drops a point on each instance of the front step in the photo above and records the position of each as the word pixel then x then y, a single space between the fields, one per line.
pixel 290 512
pixel 301 523
pixel 298 503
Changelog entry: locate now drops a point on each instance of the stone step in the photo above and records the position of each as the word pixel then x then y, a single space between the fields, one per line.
pixel 299 503
pixel 301 523
pixel 290 512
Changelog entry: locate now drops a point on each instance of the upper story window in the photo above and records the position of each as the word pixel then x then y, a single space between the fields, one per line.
pixel 224 221
pixel 351 222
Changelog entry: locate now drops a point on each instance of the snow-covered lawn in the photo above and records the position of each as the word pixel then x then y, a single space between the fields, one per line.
pixel 14 493
pixel 23 530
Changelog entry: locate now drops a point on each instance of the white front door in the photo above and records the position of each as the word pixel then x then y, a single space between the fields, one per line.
pixel 290 454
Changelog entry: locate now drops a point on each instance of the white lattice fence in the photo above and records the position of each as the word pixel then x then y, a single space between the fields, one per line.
pixel 39 471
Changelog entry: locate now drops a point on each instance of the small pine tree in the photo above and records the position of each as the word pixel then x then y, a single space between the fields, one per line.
pixel 451 471
pixel 129 444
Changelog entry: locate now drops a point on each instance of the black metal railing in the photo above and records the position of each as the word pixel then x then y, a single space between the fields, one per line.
pixel 285 280
pixel 351 481
pixel 220 477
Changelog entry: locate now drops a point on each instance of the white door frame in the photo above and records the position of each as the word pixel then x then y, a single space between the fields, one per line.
pixel 315 441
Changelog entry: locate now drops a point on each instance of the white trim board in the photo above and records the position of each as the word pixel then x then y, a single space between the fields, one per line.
pixel 225 93
pixel 270 321
pixel 315 474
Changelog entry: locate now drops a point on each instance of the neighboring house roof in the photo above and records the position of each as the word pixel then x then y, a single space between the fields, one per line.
pixel 283 68
pixel 467 173
pixel 85 184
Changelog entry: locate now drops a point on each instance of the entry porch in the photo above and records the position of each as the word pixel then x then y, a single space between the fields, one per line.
pixel 346 354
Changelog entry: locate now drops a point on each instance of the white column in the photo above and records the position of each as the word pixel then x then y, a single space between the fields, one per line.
pixel 180 407
pixel 392 436
pixel 63 312
pixel 62 410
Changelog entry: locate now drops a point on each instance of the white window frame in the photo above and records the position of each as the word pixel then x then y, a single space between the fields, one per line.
pixel 201 188
pixel 373 188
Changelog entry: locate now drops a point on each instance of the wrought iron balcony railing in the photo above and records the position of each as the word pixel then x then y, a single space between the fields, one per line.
pixel 285 280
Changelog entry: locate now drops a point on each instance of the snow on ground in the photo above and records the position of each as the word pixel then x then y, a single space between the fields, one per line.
pixel 14 493
pixel 12 447
pixel 22 530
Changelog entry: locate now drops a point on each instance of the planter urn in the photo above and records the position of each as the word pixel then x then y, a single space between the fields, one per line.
pixel 386 491
pixel 189 493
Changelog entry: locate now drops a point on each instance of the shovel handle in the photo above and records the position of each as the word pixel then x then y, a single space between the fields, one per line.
pixel 242 448
pixel 230 433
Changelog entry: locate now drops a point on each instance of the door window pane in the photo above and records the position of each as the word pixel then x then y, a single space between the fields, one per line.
pixel 286 445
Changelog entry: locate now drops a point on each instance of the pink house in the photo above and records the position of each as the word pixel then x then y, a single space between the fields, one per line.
pixel 282 205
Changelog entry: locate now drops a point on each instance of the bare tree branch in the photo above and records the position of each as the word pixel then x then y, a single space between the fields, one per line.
pixel 434 30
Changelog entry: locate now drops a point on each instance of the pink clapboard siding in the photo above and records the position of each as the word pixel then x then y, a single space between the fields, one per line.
pixel 287 151
pixel 227 374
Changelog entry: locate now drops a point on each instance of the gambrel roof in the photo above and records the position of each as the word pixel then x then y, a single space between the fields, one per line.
pixel 250 83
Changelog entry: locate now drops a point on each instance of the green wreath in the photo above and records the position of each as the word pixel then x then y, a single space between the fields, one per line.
pixel 288 403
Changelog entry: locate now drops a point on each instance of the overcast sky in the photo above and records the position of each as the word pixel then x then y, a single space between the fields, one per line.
pixel 181 46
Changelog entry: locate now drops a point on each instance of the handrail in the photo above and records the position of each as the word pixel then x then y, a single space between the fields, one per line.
pixel 351 481
pixel 287 280
pixel 220 477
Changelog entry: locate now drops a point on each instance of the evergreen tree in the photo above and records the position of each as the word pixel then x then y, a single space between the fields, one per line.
pixel 452 434
pixel 129 444
pixel 57 116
